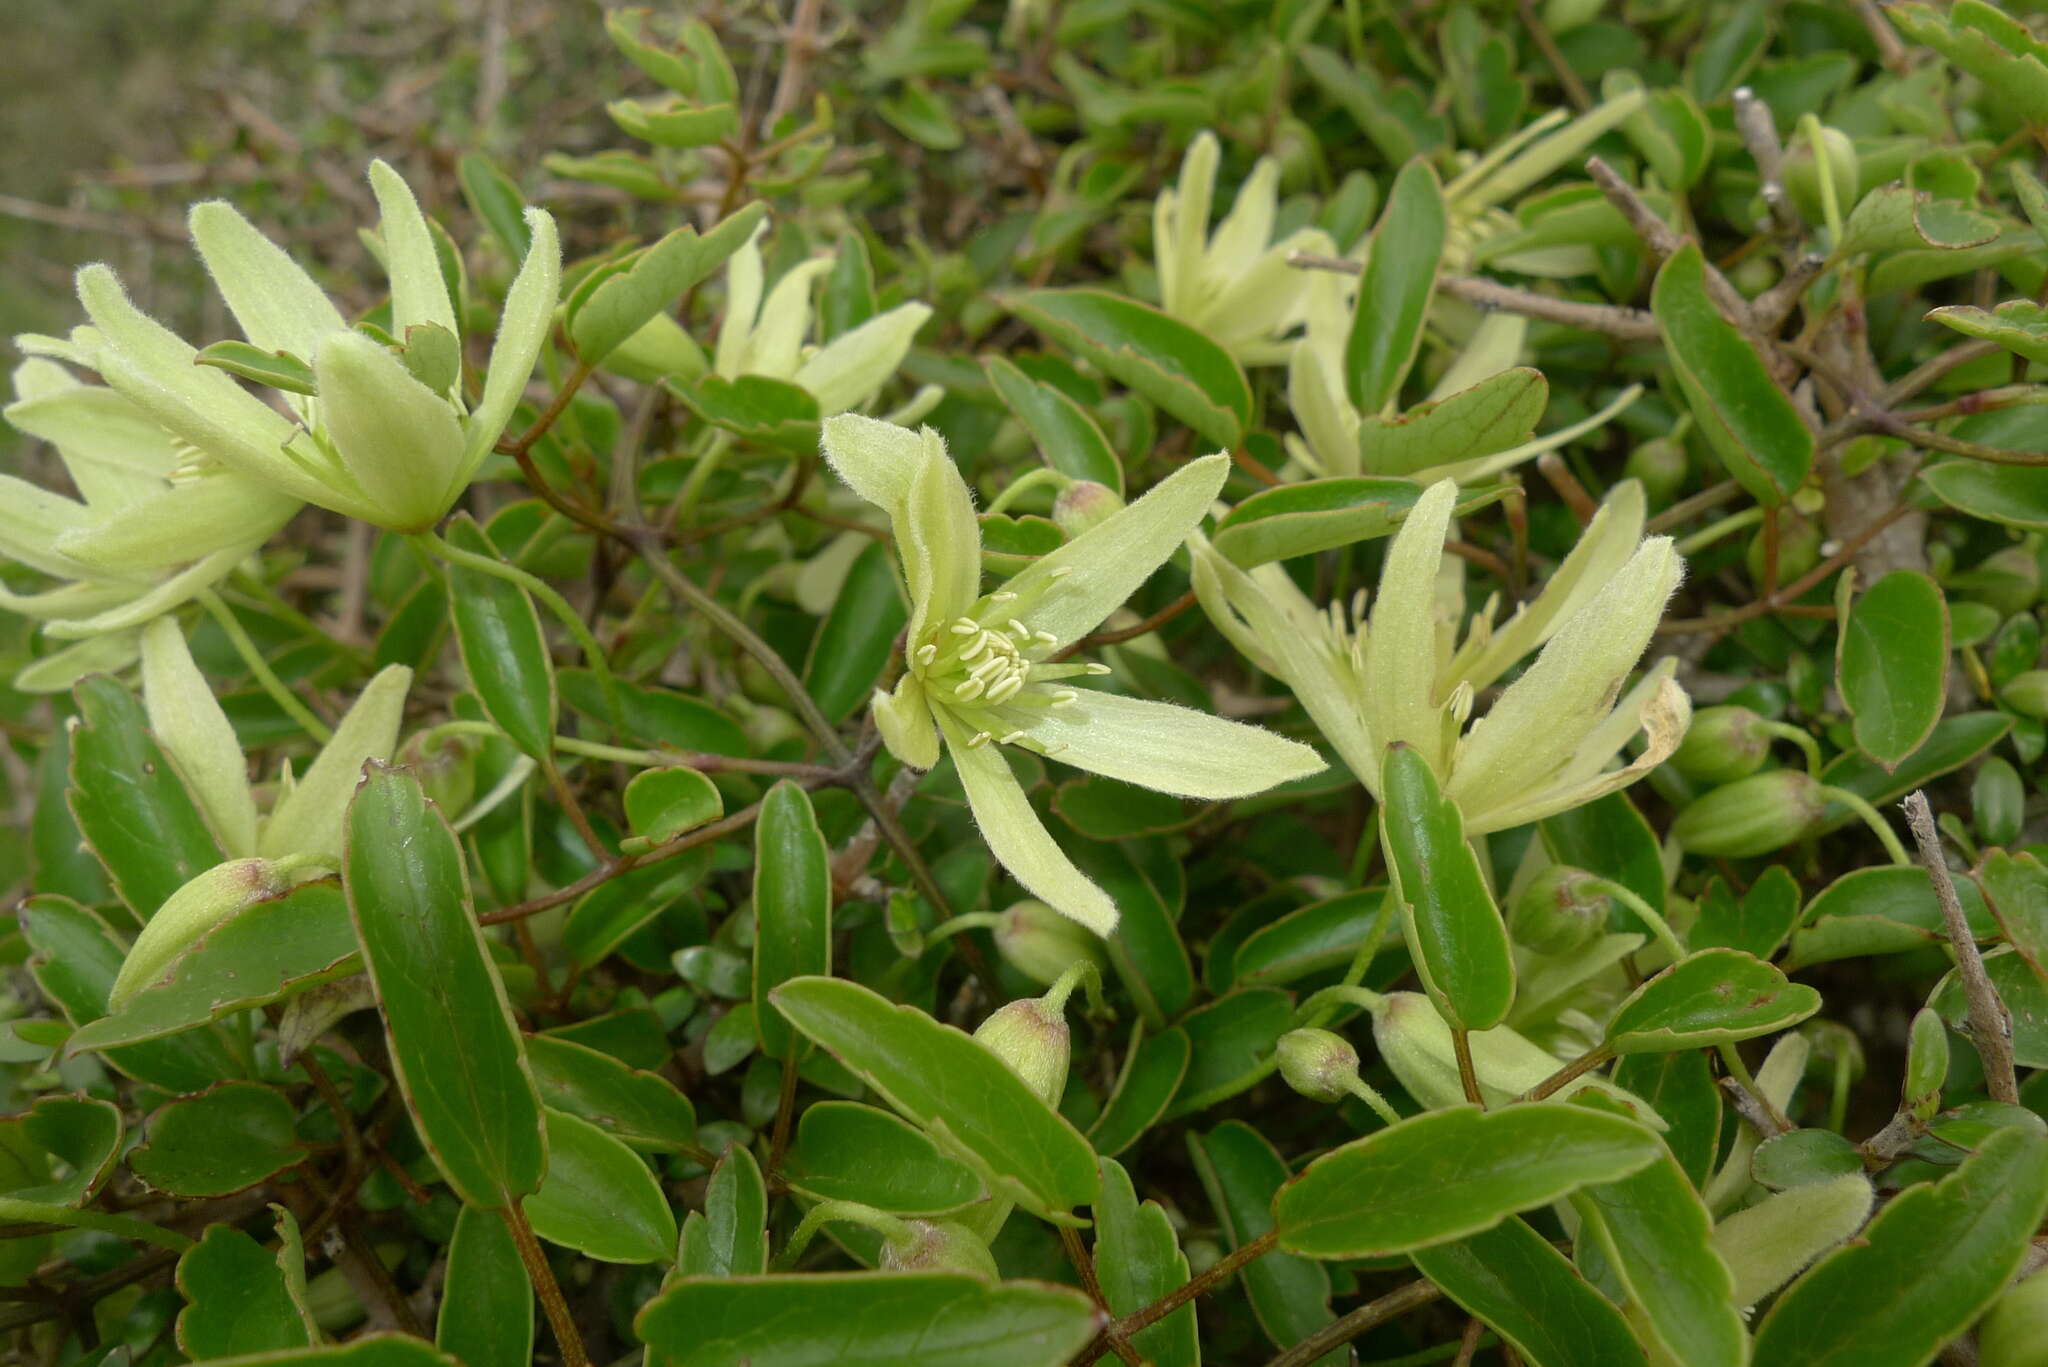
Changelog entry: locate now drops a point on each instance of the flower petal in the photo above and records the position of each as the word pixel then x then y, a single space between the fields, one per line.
pixel 1017 838
pixel 857 363
pixel 1246 230
pixel 905 721
pixel 278 305
pixel 112 450
pixel 57 672
pixel 32 519
pixel 189 723
pixel 1169 748
pixel 1181 226
pixel 744 280
pixel 785 320
pixel 522 331
pixel 909 476
pixel 399 441
pixel 308 818
pixel 173 592
pixel 419 292
pixel 1663 715
pixel 1071 590
pixel 1400 666
pixel 179 524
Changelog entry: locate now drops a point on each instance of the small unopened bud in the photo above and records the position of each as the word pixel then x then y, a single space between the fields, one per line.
pixel 193 911
pixel 1761 813
pixel 1802 173
pixel 1926 1063
pixel 1562 910
pixel 445 765
pixel 1661 465
pixel 1033 1039
pixel 1084 504
pixel 1320 1065
pixel 938 1246
pixel 1724 744
pixel 1042 944
pixel 2016 1330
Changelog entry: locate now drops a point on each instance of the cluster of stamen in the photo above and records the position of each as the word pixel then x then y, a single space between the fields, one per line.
pixel 987 663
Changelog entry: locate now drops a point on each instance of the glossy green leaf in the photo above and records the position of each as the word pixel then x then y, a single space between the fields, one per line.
pixel 730 1237
pixel 1681 1088
pixel 486 1297
pixel 1892 664
pixel 1066 436
pixel 854 641
pixel 1881 910
pixel 1954 742
pixel 63 864
pixel 606 916
pixel 1872 1303
pixel 504 652
pixel 1231 1042
pixel 599 1198
pixel 2015 888
pixel 792 906
pixel 1608 836
pixel 1145 879
pixel 1138 1261
pixel 1312 939
pixel 371 1350
pixel 1530 1294
pixel 1240 1172
pixel 128 803
pixel 658 716
pixel 270 951
pixel 1105 809
pixel 654 278
pixel 1799 1158
pixel 218 1142
pixel 755 407
pixel 643 1109
pixel 1897 218
pixel 945 1081
pixel 1454 930
pixel 83 1133
pixel 864 1319
pixel 1657 1237
pixel 2025 994
pixel 1757 923
pixel 2016 495
pixel 274 368
pixel 496 202
pixel 1160 357
pixel 1714 996
pixel 1747 419
pixel 475 1107
pixel 1394 293
pixel 1448 1174
pixel 1498 412
pixel 1151 1074
pixel 844 1151
pixel 662 804
pixel 1324 514
pixel 237 1299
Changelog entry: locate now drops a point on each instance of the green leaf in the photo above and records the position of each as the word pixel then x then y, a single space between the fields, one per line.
pixel 1394 293
pixel 643 1109
pixel 371 1350
pixel 1716 996
pixel 496 202
pixel 1066 436
pixel 1891 662
pixel 2018 325
pixel 272 950
pixel 1954 742
pixel 1895 218
pixel 129 805
pixel 944 1080
pixel 1105 809
pixel 1757 924
pixel 1881 910
pixel 2025 994
pixel 845 1151
pixel 475 1106
pixel 278 369
pixel 1324 514
pixel 1747 419
pixel 609 914
pixel 1138 1260
pixel 236 1299
pixel 756 408
pixel 1499 412
pixel 1160 357
pixel 655 278
pixel 854 641
pixel 1449 1174
pixel 599 1198
pixel 82 1133
pixel 503 651
pixel 864 1319
pixel 658 716
pixel 1608 836
pixel 1872 1303
pixel 1799 1158
pixel 662 804
pixel 2015 888
pixel 1311 939
pixel 1657 1238
pixel 1530 1294
pixel 1232 1042
pixel 792 907
pixel 219 1142
pixel 1453 928
pixel 1240 1172
pixel 486 1298
pixel 1152 1073
pixel 730 1237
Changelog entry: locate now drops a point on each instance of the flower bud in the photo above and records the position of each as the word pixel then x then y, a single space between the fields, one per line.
pixel 1661 465
pixel 1724 744
pixel 1042 944
pixel 1802 173
pixel 938 1246
pixel 445 765
pixel 208 899
pixel 2015 1333
pixel 1032 1038
pixel 1761 813
pixel 1561 910
pixel 1318 1064
pixel 1082 505
pixel 1926 1063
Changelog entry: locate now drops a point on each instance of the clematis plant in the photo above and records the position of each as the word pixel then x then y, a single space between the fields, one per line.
pixel 1404 676
pixel 375 427
pixel 985 670
pixel 1234 284
pixel 145 535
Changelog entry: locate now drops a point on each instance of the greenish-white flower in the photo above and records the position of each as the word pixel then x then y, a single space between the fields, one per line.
pixel 1403 675
pixel 385 434
pixel 146 532
pixel 985 670
pixel 1234 284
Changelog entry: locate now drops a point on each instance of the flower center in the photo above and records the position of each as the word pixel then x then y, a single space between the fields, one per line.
pixel 994 672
